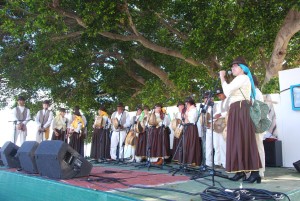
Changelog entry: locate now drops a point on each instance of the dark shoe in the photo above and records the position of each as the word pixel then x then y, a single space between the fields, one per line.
pixel 238 176
pixel 254 177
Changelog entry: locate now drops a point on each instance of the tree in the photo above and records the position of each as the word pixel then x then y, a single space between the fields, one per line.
pixel 105 51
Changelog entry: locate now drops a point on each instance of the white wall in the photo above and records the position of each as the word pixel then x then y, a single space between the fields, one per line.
pixel 288 119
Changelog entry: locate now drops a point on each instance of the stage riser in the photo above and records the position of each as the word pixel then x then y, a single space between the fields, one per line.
pixel 16 187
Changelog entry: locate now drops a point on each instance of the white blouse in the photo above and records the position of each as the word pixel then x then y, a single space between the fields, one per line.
pixel 232 90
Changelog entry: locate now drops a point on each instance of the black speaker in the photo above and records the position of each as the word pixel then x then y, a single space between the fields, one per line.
pixel 26 155
pixel 273 153
pixel 56 159
pixel 9 155
pixel 297 165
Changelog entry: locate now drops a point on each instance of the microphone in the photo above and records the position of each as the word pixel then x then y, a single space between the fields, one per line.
pixel 228 73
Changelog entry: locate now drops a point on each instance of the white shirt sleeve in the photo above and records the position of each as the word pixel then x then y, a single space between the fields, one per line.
pixel 37 120
pixel 235 84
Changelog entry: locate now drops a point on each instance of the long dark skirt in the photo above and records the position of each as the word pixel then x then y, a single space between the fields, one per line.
pixel 141 143
pixel 191 147
pixel 98 143
pixel 61 136
pixel 160 142
pixel 77 143
pixel 241 149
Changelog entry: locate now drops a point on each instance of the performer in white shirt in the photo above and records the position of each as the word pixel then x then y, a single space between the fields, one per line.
pixel 59 126
pixel 21 116
pixel 191 143
pixel 120 121
pixel 77 131
pixel 219 125
pixel 131 138
pixel 241 152
pixel 177 126
pixel 43 120
pixel 159 136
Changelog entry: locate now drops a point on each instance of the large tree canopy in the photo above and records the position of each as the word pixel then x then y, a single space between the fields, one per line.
pixel 98 51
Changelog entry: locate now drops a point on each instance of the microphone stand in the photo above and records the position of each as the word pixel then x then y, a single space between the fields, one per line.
pixel 204 168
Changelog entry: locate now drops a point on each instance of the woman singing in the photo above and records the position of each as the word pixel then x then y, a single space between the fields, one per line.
pixel 241 150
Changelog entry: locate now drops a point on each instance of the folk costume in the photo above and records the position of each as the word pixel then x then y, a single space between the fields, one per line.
pixel 241 153
pixel 99 140
pixel 77 132
pixel 59 126
pixel 191 142
pixel 43 120
pixel 21 116
pixel 120 121
pixel 159 135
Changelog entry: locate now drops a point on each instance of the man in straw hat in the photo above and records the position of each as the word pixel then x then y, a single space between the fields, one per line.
pixel 21 116
pixel 43 120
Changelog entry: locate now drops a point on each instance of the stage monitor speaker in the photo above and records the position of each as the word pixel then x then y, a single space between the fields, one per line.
pixel 273 153
pixel 9 155
pixel 56 159
pixel 26 154
pixel 297 165
pixel 1 162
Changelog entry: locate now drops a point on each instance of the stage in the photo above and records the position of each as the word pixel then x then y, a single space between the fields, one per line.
pixel 128 182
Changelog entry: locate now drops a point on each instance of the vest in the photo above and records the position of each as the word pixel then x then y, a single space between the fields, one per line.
pixel 44 118
pixel 21 116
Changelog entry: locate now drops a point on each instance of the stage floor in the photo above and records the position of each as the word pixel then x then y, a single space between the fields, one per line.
pixel 127 182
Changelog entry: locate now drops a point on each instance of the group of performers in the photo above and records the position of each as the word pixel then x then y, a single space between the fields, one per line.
pixel 147 135
pixel 73 132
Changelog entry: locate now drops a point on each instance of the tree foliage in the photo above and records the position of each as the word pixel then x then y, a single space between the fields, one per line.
pixel 100 52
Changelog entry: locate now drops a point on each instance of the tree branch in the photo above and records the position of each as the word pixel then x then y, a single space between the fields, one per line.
pixel 67 36
pixel 56 8
pixel 163 76
pixel 170 28
pixel 131 24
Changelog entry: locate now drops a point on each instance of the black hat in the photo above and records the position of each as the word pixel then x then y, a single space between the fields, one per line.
pixel 120 104
pixel 21 98
pixel 239 60
pixel 206 94
pixel 158 105
pixel 146 107
pixel 77 113
pixel 190 100
pixel 102 108
pixel 138 107
pixel 62 109
pixel 46 102
pixel 180 103
pixel 219 91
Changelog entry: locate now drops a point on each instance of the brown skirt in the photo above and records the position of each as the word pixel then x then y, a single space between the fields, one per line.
pixel 77 143
pixel 61 135
pixel 141 143
pixel 159 139
pixel 98 144
pixel 241 149
pixel 191 146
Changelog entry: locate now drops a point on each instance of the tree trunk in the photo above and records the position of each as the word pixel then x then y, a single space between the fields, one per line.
pixel 290 26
